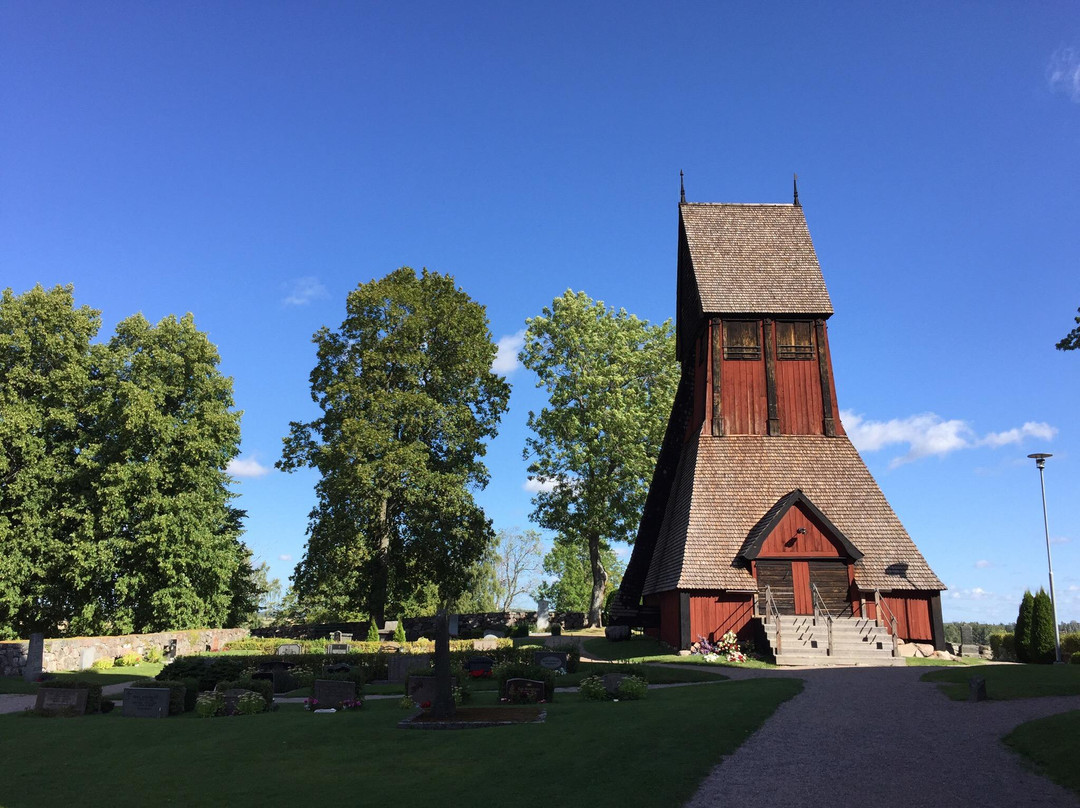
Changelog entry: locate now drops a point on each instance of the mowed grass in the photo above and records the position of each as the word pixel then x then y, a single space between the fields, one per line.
pixel 639 649
pixel 588 753
pixel 109 676
pixel 1052 745
pixel 926 662
pixel 1005 682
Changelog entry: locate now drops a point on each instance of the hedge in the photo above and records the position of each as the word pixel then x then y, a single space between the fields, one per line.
pixel 261 686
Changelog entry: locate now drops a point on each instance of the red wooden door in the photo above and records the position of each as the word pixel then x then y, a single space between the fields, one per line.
pixel 800 580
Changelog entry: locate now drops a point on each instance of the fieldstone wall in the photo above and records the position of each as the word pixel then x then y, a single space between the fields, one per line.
pixel 468 625
pixel 76 653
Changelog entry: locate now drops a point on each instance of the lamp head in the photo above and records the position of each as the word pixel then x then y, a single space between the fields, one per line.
pixel 1040 458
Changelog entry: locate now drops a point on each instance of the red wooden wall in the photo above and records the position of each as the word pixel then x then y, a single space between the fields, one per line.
pixel 798 397
pixel 912 612
pixel 714 615
pixel 785 541
pixel 669 618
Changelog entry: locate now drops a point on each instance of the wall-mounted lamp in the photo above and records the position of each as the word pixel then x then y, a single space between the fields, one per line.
pixel 801 531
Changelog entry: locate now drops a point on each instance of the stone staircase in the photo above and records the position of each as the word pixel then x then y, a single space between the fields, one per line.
pixel 856 642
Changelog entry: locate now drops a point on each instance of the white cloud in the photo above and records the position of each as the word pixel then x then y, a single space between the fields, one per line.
pixel 284 557
pixel 506 360
pixel 247 467
pixel 929 434
pixel 1063 73
pixel 1060 540
pixel 536 486
pixel 303 290
pixel 982 564
pixel 978 593
pixel 1031 429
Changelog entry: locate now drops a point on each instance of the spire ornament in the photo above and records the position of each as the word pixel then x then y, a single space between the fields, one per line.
pixel 682 189
pixel 795 183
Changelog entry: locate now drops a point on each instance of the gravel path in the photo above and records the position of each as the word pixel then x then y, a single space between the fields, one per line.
pixel 880 737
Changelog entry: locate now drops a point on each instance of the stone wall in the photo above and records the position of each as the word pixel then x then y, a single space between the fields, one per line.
pixel 75 653
pixel 469 625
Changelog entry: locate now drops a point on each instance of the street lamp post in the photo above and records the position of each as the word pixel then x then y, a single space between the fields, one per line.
pixel 1040 463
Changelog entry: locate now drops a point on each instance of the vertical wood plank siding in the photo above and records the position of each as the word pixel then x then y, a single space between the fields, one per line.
pixel 715 354
pixel 743 397
pixel 669 618
pixel 714 615
pixel 912 611
pixel 786 541
pixel 770 377
pixel 800 582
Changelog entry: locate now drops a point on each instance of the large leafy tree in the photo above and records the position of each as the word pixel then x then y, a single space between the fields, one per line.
pixel 1071 341
pixel 115 512
pixel 570 587
pixel 408 401
pixel 610 379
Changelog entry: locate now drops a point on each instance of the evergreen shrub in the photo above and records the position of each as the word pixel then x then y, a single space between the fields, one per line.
pixel 1043 643
pixel 128 660
pixel 1023 628
pixel 1003 647
pixel 102 664
pixel 1070 645
pixel 372 632
pixel 399 632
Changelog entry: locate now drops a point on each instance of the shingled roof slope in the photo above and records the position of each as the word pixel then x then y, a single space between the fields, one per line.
pixel 725 485
pixel 753 259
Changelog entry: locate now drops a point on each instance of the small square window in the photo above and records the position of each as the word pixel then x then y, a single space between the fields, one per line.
pixel 742 339
pixel 794 340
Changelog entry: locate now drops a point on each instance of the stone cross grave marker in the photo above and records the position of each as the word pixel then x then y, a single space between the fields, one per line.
pixel 146 702
pixel 332 692
pixel 62 699
pixel 35 656
pixel 552 660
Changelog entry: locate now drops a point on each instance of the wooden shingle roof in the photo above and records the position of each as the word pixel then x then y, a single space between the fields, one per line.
pixel 725 485
pixel 753 259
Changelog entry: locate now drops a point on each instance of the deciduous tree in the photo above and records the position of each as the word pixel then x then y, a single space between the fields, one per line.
pixel 1071 341
pixel 570 589
pixel 610 379
pixel 408 400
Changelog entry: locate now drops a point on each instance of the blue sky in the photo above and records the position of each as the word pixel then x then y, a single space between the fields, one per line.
pixel 253 162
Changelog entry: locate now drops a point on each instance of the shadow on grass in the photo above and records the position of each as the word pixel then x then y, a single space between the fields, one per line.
pixel 1005 682
pixel 594 751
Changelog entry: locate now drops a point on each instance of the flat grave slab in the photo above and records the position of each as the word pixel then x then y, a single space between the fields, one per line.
pixel 552 660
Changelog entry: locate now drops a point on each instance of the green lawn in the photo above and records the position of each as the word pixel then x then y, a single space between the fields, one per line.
pixel 591 753
pixel 1010 681
pixel 1053 747
pixel 925 662
pixel 109 676
pixel 645 649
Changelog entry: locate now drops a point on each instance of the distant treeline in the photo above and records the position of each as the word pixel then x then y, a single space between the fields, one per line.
pixel 980 632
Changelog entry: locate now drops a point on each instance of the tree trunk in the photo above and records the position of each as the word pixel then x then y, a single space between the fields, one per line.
pixel 443 708
pixel 380 581
pixel 599 582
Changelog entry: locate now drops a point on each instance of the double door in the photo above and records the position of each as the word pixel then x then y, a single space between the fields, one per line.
pixel 790 582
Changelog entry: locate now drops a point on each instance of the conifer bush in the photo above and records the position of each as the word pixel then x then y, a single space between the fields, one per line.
pixel 1043 643
pixel 372 632
pixel 1023 628
pixel 399 632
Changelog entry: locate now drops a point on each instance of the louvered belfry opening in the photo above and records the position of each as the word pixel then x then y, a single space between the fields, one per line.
pixel 755 450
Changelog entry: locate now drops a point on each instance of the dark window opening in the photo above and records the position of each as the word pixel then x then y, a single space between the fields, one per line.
pixel 742 339
pixel 794 340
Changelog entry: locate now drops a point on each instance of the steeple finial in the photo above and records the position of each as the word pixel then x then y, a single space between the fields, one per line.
pixel 682 188
pixel 795 183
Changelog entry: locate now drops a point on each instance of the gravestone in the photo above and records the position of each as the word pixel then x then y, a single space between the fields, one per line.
pixel 977 689
pixel 455 625
pixel 146 702
pixel 485 645
pixel 551 660
pixel 493 634
pixel 62 699
pixel 389 627
pixel 338 667
pixel 612 682
pixel 528 691
pixel 337 648
pixel 86 658
pixel 35 656
pixel 424 689
pixel 617 633
pixel 341 637
pixel 479 666
pixel 542 617
pixel 966 634
pixel 278 673
pixel 331 692
pixel 400 665
pixel 289 649
pixel 232 697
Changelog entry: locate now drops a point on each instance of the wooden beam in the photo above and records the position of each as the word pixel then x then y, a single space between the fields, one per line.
pixel 823 372
pixel 717 353
pixel 770 377
pixel 685 640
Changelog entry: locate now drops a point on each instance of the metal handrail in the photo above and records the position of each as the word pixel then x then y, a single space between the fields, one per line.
pixel 820 602
pixel 880 604
pixel 770 609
